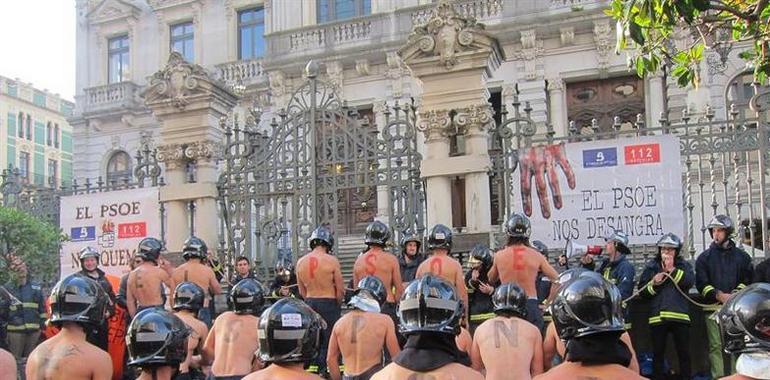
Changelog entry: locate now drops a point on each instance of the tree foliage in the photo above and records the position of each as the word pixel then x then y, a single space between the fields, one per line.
pixel 651 24
pixel 33 241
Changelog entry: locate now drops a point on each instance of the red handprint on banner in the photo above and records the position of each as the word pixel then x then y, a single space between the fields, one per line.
pixel 541 161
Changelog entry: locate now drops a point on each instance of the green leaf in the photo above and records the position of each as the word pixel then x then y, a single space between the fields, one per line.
pixel 701 5
pixel 636 33
pixel 640 67
pixel 685 10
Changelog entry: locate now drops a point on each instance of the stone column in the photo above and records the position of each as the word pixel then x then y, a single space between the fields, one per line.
pixel 188 104
pixel 435 125
pixel 383 197
pixel 475 121
pixel 654 94
pixel 558 106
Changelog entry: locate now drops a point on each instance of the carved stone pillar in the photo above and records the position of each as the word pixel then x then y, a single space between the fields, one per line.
pixel 654 93
pixel 475 120
pixel 383 198
pixel 558 106
pixel 188 105
pixel 451 56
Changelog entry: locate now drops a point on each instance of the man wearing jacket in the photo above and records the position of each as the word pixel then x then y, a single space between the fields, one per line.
pixel 669 310
pixel 89 264
pixel 410 258
pixel 720 270
pixel 479 288
pixel 616 268
pixel 26 320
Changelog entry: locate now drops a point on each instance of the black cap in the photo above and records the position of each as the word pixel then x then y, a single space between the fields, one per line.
pixel 430 304
pixel 377 233
pixel 586 305
pixel 194 247
pixel 77 298
pixel 289 332
pixel 510 298
pixel 188 296
pixel 518 226
pixel 247 297
pixel 156 338
pixel 149 249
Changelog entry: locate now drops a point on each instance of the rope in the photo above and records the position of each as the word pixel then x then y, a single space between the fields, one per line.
pixel 683 293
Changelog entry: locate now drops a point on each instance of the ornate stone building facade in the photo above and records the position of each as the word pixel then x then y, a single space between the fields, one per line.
pixel 556 56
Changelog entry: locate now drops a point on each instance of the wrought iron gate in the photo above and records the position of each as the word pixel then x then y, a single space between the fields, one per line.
pixel 280 182
pixel 724 166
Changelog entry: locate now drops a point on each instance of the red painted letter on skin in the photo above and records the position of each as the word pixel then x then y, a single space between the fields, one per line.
pixel 371 267
pixel 435 266
pixel 518 259
pixel 313 266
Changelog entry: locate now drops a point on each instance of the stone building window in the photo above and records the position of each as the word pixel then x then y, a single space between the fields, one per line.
pixel 119 168
pixel 604 99
pixel 182 37
pixel 251 33
pixel 29 127
pixel 56 135
pixel 53 172
pixel 20 124
pixel 335 10
pixel 117 59
pixel 48 134
pixel 24 162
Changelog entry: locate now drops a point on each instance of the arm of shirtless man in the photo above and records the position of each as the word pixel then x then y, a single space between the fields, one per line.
pixel 536 367
pixel 214 285
pixel 199 360
pixel 460 286
pixel 207 354
pixel 102 369
pixel 476 362
pixel 391 342
pixel 551 273
pixel 332 356
pixel 339 283
pixel 397 282
pixel 169 282
pixel 493 275
pixel 549 346
pixel 8 363
pixel 130 297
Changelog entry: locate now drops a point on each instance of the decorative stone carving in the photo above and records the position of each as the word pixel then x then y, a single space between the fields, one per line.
pixel 473 118
pixel 277 83
pixel 115 141
pixel 395 72
pixel 378 106
pixel 605 45
pixel 146 140
pixel 555 84
pixel 446 34
pixel 203 151
pixel 530 55
pixel 111 10
pixel 335 71
pixel 509 90
pixel 362 67
pixel 435 124
pixel 171 155
pixel 567 36
pixel 176 82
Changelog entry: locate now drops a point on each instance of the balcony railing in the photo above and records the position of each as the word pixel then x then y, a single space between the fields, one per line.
pixel 479 9
pixel 241 71
pixel 573 4
pixel 111 97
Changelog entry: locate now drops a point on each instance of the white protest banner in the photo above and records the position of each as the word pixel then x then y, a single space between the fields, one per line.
pixel 582 191
pixel 112 222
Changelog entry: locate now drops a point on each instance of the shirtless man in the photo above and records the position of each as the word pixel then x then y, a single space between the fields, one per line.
pixel 77 304
pixel 157 344
pixel 188 300
pixel 464 341
pixel 194 252
pixel 233 341
pixel 377 262
pixel 442 265
pixel 321 286
pixel 289 337
pixel 507 345
pixel 362 334
pixel 8 364
pixel 430 312
pixel 145 283
pixel 518 263
pixel 590 298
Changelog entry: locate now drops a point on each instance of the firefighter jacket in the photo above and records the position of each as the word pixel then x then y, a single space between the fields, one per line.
pixel 620 272
pixel 409 269
pixel 277 283
pixel 726 269
pixel 480 305
pixel 105 284
pixel 30 316
pixel 667 304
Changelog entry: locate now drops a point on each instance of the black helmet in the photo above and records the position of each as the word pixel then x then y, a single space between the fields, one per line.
pixel 440 237
pixel 89 252
pixel 510 298
pixel 670 240
pixel 723 222
pixel 321 236
pixel 77 298
pixel 587 305
pixel 430 303
pixel 289 331
pixel 518 226
pixel 284 268
pixel 480 257
pixel 370 295
pixel 618 236
pixel 195 248
pixel 540 247
pixel 247 297
pixel 744 321
pixel 377 233
pixel 188 296
pixel 571 274
pixel 411 237
pixel 156 338
pixel 149 249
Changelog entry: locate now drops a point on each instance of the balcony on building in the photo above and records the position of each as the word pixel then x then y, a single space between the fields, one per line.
pixel 113 98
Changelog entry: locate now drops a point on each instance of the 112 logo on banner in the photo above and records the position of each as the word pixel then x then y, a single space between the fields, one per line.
pixel 642 154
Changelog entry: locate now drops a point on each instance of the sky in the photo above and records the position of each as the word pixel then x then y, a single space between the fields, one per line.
pixel 37 44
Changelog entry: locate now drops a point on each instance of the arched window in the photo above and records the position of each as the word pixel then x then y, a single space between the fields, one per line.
pixel 119 168
pixel 740 91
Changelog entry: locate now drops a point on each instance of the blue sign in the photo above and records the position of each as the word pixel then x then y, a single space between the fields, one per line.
pixel 597 158
pixel 83 233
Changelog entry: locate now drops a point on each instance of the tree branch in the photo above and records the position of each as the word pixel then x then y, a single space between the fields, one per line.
pixel 720 6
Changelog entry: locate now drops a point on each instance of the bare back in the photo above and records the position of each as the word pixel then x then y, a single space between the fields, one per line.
pixel 449 269
pixel 319 276
pixel 199 274
pixel 453 371
pixel 361 337
pixel 553 345
pixel 464 341
pixel 198 333
pixel 62 358
pixel 384 266
pixel 519 265
pixel 577 371
pixel 145 286
pixel 232 343
pixel 8 364
pixel 508 348
pixel 276 372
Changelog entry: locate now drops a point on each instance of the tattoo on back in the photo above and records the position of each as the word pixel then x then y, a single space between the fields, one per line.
pixel 52 358
pixel 232 328
pixel 511 333
pixel 358 324
pixel 139 280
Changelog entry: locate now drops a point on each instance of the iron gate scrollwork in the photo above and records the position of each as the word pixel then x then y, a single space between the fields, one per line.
pixel 280 182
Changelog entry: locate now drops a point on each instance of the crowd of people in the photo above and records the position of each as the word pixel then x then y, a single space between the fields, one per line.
pixel 505 315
